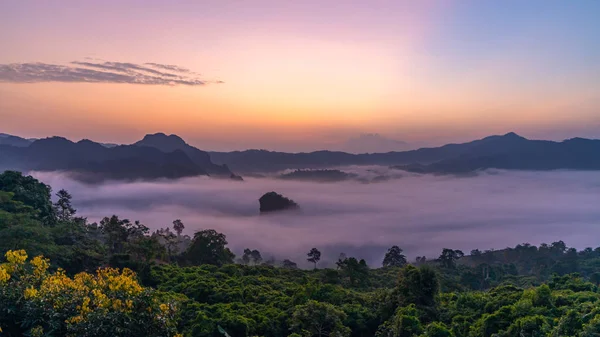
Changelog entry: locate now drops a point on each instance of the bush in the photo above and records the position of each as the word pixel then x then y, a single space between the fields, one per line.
pixel 35 302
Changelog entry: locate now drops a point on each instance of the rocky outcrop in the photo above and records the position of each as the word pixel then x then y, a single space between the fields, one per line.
pixel 274 202
pixel 235 177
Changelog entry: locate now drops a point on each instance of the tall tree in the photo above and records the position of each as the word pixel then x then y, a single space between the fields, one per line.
pixel 449 257
pixel 314 256
pixel 356 272
pixel 63 208
pixel 209 247
pixel 394 257
pixel 178 227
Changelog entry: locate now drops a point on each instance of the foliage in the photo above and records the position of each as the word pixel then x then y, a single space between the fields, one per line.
pixel 34 301
pixel 208 247
pixel 394 257
pixel 319 319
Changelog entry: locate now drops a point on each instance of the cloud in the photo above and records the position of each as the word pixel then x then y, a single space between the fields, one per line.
pixel 100 72
pixel 170 67
pixel 421 214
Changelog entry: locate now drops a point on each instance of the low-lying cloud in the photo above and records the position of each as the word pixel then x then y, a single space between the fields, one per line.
pixel 421 214
pixel 100 72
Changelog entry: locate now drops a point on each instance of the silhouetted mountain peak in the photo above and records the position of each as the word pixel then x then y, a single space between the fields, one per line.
pixel 508 138
pixel 513 135
pixel 172 143
pixel 52 141
pixel 163 142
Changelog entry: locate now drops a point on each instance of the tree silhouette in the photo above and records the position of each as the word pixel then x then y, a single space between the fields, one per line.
pixel 178 227
pixel 251 256
pixel 64 210
pixel 449 257
pixel 394 257
pixel 314 256
pixel 288 264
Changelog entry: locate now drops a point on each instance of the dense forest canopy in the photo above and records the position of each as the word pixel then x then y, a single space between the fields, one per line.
pixel 63 275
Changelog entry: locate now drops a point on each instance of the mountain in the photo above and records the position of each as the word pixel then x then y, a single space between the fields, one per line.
pixel 517 153
pixel 509 151
pixel 162 156
pixel 92 161
pixel 6 139
pixel 172 143
pixel 373 143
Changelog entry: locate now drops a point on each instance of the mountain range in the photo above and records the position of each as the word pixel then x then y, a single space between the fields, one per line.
pixel 155 156
pixel 509 151
pixel 169 156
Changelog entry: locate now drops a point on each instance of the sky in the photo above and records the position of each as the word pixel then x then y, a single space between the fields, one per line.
pixel 300 75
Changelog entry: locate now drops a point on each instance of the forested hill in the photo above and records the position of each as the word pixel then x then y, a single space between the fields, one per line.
pixel 172 284
pixel 156 156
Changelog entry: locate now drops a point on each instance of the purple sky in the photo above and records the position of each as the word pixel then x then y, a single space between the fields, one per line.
pixel 301 75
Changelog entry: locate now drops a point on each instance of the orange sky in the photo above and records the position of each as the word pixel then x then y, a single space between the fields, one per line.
pixel 306 76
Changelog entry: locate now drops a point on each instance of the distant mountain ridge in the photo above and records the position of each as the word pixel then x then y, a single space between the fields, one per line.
pixel 150 159
pixel 509 151
pixel 169 156
pixel 6 139
pixel 374 143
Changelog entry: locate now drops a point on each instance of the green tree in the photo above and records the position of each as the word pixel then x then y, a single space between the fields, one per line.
pixel 394 257
pixel 449 257
pixel 355 271
pixel 63 208
pixel 319 319
pixel 591 329
pixel 569 325
pixel 209 247
pixel 404 323
pixel 418 286
pixel 21 229
pixel 436 329
pixel 30 192
pixel 314 256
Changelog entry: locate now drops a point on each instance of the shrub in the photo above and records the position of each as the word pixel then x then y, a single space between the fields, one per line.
pixel 35 302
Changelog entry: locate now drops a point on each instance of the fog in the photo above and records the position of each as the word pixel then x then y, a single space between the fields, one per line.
pixel 420 213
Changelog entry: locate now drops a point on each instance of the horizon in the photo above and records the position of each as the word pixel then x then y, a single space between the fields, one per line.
pixel 307 151
pixel 228 76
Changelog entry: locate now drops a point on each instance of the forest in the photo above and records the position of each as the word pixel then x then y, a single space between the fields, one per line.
pixel 62 275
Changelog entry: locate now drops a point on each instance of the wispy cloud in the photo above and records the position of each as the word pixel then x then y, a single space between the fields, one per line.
pixel 101 72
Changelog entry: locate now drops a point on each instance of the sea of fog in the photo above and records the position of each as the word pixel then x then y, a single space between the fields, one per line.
pixel 420 213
